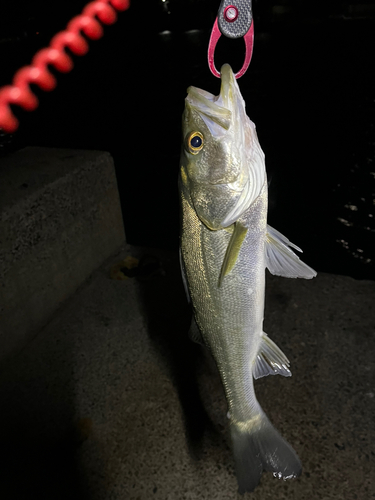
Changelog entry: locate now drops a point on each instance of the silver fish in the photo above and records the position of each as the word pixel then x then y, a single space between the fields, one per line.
pixel 225 246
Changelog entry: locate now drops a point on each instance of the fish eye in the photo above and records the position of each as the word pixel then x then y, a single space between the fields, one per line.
pixel 195 142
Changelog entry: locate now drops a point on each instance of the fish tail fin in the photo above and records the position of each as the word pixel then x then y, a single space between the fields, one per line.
pixel 257 446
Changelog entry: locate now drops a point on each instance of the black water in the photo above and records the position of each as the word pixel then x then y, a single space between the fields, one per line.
pixel 310 89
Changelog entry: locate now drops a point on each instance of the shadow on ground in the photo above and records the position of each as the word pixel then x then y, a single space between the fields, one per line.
pixel 39 438
pixel 168 314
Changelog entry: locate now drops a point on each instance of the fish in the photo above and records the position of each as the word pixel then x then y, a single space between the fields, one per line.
pixel 225 247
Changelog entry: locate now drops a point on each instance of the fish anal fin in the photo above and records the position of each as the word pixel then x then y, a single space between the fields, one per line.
pixel 281 260
pixel 234 247
pixel 270 360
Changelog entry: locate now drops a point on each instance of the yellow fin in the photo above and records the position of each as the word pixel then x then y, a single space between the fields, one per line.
pixel 233 250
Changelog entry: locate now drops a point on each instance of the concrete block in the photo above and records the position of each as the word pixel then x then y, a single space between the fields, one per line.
pixel 60 218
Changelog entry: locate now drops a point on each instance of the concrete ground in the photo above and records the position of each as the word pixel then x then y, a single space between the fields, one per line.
pixel 112 401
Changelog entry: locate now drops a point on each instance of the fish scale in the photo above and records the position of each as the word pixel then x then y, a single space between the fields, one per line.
pixel 225 315
pixel 226 246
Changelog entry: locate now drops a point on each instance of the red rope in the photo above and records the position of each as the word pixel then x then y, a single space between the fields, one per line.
pixel 19 92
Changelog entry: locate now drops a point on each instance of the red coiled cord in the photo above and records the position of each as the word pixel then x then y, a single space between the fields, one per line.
pixel 19 93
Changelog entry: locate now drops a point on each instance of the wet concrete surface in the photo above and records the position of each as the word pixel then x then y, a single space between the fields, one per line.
pixel 112 401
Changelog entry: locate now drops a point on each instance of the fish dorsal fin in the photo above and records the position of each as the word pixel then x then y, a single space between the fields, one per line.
pixel 270 360
pixel 234 246
pixel 281 260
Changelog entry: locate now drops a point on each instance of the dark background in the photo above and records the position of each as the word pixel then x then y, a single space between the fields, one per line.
pixel 309 89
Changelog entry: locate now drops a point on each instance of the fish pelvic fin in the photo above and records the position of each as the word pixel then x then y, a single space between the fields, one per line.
pixel 280 258
pixel 270 360
pixel 233 250
pixel 258 447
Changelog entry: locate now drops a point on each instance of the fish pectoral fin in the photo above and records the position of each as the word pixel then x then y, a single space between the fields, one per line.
pixel 234 246
pixel 183 276
pixel 281 260
pixel 195 334
pixel 270 360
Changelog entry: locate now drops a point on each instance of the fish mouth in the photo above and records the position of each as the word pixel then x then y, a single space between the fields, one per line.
pixel 212 113
pixel 216 110
pixel 228 87
pixel 236 156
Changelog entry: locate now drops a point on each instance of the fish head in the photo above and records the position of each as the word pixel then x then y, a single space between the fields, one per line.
pixel 222 164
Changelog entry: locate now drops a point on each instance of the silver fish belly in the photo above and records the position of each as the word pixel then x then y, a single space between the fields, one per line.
pixel 230 317
pixel 224 272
